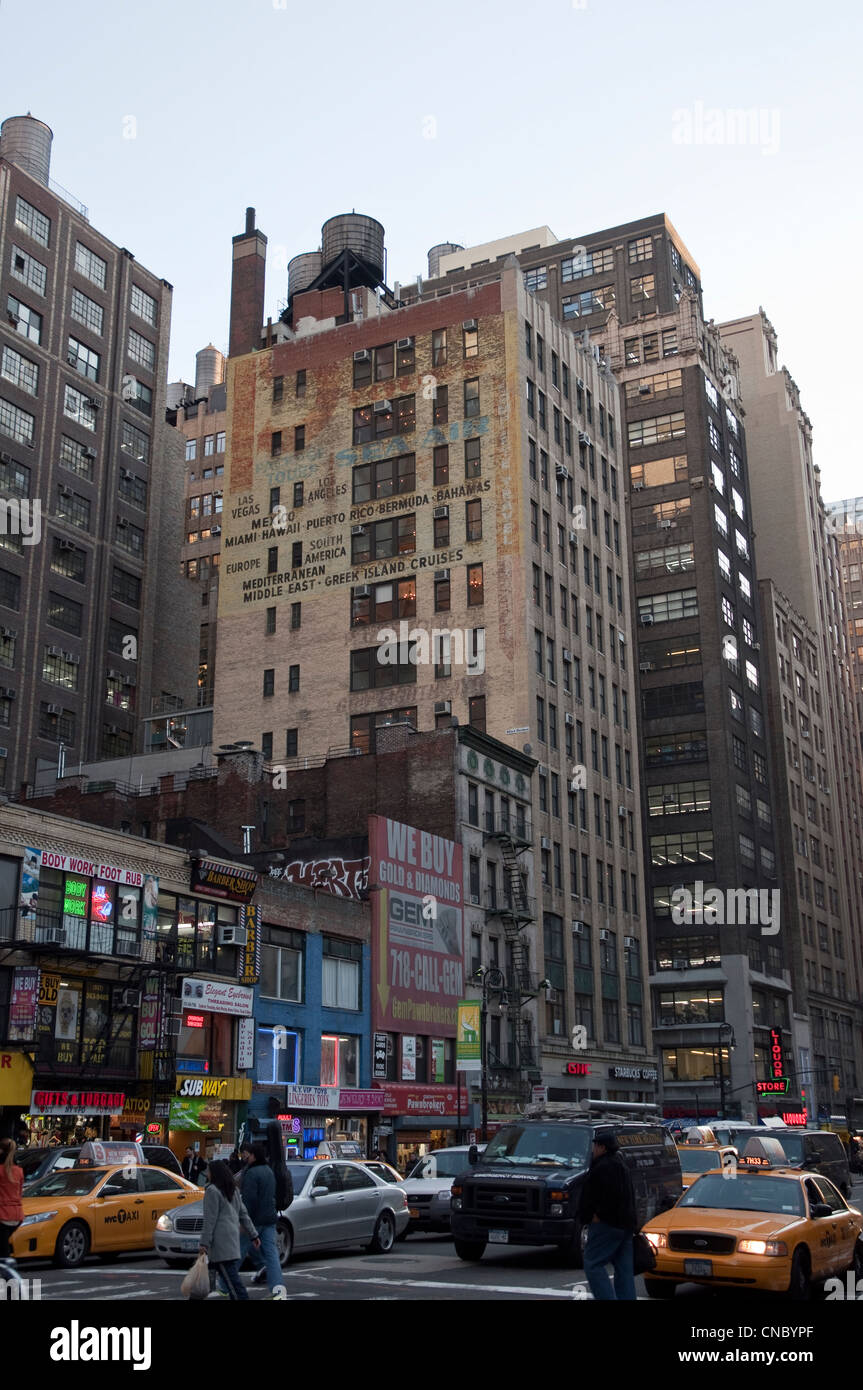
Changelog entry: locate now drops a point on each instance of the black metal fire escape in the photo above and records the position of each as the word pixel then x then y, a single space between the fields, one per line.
pixel 516 911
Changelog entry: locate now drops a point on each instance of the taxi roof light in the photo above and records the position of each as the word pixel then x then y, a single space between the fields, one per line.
pixel 763 1152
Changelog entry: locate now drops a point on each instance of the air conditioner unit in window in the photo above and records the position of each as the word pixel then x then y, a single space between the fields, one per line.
pixel 126 948
pixel 129 998
pixel 232 936
pixel 71 356
pixel 622 812
pixel 7 632
pixel 7 692
pixel 441 574
pixel 94 402
pixel 573 536
pixel 382 407
pixel 215 530
pixel 681 963
pixel 362 355
pixel 646 620
pixel 358 530
pixel 52 936
pixel 114 729
pixel 567 654
pixel 664 524
pixel 638 487
pixel 644 390
pixel 583 438
pixel 578 928
pixel 603 934
pixel 469 325
pixel 404 343
pixel 630 942
pixel 122 523
pixel 363 591
pixel 72 657
pixel 173 1027
pixel 443 707
pixel 440 512
pixel 568 718
pixel 545 842
pixel 127 474
pixel 66 545
pixel 551 995
pixel 129 390
pixel 646 666
pixel 89 454
pixel 53 651
pixel 561 470
pixel 756 646
pixel 65 492
pixel 53 709
pixel 579 383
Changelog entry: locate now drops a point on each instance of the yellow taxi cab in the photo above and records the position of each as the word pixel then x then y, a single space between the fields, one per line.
pixel 75 1211
pixel 696 1159
pixel 756 1225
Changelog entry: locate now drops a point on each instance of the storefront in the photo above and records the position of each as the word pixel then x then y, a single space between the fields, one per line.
pixel 421 1118
pixel 71 1116
pixel 16 1085
pixel 312 1115
pixel 206 1112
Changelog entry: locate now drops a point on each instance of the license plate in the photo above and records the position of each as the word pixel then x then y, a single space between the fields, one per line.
pixel 499 1237
pixel 698 1268
pixel 414 1211
pixel 189 1246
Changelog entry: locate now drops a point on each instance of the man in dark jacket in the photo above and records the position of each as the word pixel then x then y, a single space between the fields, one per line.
pixel 193 1165
pixel 607 1208
pixel 258 1191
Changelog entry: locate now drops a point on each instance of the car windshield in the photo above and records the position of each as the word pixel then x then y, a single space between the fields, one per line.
pixel 74 1182
pixel 746 1192
pixel 699 1160
pixel 446 1165
pixel 558 1146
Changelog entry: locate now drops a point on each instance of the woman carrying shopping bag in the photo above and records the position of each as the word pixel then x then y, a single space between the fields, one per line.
pixel 224 1213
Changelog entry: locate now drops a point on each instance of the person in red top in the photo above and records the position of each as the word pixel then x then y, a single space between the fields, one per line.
pixel 11 1184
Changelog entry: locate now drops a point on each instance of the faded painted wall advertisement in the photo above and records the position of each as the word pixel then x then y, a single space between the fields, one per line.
pixel 417 948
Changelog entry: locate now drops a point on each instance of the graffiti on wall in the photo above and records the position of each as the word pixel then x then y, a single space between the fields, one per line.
pixel 344 878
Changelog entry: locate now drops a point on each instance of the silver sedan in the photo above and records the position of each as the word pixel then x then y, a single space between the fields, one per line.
pixel 336 1204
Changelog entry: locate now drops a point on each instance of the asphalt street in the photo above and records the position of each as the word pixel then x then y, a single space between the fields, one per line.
pixel 422 1267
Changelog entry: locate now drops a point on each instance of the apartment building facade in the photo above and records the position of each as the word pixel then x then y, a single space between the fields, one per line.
pixel 86 454
pixel 632 295
pixel 452 466
pixel 815 725
pixel 845 519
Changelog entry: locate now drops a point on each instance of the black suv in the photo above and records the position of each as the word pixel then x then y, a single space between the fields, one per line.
pixel 525 1188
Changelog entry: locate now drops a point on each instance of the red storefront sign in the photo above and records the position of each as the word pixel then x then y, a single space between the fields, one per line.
pixel 417 942
pixel 429 1101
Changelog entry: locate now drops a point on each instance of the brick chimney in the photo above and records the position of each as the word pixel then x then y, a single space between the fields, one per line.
pixel 247 288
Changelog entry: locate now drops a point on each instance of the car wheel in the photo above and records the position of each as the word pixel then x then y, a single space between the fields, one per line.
pixel 469 1249
pixel 384 1237
pixel 800 1285
pixel 284 1243
pixel 72 1246
pixel 658 1288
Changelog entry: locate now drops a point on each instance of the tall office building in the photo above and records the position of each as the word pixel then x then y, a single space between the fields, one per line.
pixel 845 519
pixel 424 520
pixel 91 481
pixel 814 724
pixel 633 295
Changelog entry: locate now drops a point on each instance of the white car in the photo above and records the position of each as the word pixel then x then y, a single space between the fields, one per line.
pixel 428 1187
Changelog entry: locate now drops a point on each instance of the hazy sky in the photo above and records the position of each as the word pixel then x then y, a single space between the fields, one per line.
pixel 466 120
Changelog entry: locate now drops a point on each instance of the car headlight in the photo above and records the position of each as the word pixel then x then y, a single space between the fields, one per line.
pixel 38 1216
pixel 456 1204
pixel 762 1247
pixel 556 1209
pixel 658 1239
pixel 164 1223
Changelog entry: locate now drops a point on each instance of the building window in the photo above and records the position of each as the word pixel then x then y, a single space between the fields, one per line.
pixel 269 687
pixel 473 520
pixel 341 974
pixel 383 602
pixel 291 742
pixel 476 712
pixel 20 370
pixel 141 350
pixel 88 264
pixel 475 590
pixel 387 478
pixel 640 249
pixel 656 429
pixel 32 221
pixel 364 727
pixel 587 263
pixel 470 341
pixel 59 668
pixel 472 458
pixel 536 279
pixel 471 398
pixel 380 539
pixel 439 347
pixel 300 385
pixel 440 406
pixel 27 269
pixel 299 438
pixel 642 287
pixel 144 305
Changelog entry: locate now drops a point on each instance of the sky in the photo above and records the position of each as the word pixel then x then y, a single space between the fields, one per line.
pixel 468 120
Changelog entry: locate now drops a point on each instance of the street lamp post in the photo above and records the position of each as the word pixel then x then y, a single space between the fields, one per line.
pixel 491 980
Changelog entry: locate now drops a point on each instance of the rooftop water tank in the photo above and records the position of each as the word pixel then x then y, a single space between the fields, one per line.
pixel 351 231
pixel 27 142
pixel 443 248
pixel 302 271
pixel 209 369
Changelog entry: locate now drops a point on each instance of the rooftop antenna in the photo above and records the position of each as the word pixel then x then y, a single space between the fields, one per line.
pixel 419 284
pixel 247 838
